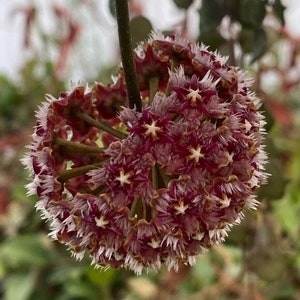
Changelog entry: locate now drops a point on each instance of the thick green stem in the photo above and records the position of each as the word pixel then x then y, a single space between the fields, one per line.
pixel 100 125
pixel 162 178
pixel 154 177
pixel 127 55
pixel 71 173
pixel 137 210
pixel 153 87
pixel 76 147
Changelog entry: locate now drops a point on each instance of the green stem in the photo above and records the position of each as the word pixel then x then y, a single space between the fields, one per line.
pixel 127 55
pixel 232 57
pixel 71 173
pixel 76 147
pixel 153 87
pixel 136 211
pixel 154 177
pixel 99 190
pixel 162 178
pixel 100 125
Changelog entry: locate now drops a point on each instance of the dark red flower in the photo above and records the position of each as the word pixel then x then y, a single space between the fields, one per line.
pixel 139 189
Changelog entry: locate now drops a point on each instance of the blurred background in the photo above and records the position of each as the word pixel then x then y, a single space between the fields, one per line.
pixel 45 46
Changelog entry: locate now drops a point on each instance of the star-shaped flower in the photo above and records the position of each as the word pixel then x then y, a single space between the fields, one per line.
pixel 181 208
pixel 123 177
pixel 101 222
pixel 152 129
pixel 247 125
pixel 229 157
pixel 225 201
pixel 194 95
pixel 154 243
pixel 195 153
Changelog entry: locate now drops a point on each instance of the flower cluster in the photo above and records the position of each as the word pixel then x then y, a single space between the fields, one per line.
pixel 136 189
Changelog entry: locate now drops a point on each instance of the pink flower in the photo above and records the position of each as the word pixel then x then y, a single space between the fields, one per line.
pixel 139 189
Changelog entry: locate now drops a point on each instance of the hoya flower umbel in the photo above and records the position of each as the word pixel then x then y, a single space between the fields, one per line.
pixel 138 189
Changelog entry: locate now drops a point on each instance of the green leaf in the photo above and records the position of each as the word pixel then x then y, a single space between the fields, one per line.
pixel 203 271
pixel 112 7
pixel 67 272
pixel 260 45
pixel 19 286
pixel 268 118
pixel 140 29
pixel 279 9
pixel 26 250
pixel 211 14
pixel 185 4
pixel 82 290
pixel 74 281
pixel 10 96
pixel 101 278
pixel 251 13
pixel 275 187
pixel 287 213
pixel 254 41
pixel 211 38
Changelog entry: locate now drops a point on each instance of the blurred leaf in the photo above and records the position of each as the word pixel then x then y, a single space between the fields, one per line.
pixel 19 286
pixel 76 285
pixel 100 277
pixel 283 292
pixel 251 13
pixel 82 290
pixel 279 11
pixel 268 249
pixel 294 194
pixel 268 118
pixel 9 95
pixel 246 40
pixel 140 29
pixel 242 234
pixel 254 41
pixel 111 282
pixel 264 259
pixel 276 185
pixel 294 162
pixel 211 38
pixel 287 213
pixel 112 7
pixel 66 272
pixel 260 44
pixel 185 4
pixel 10 100
pixel 26 250
pixel 204 271
pixel 211 14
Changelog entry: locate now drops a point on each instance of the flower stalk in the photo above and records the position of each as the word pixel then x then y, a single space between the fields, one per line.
pixel 100 125
pixel 76 147
pixel 153 87
pixel 71 173
pixel 125 42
